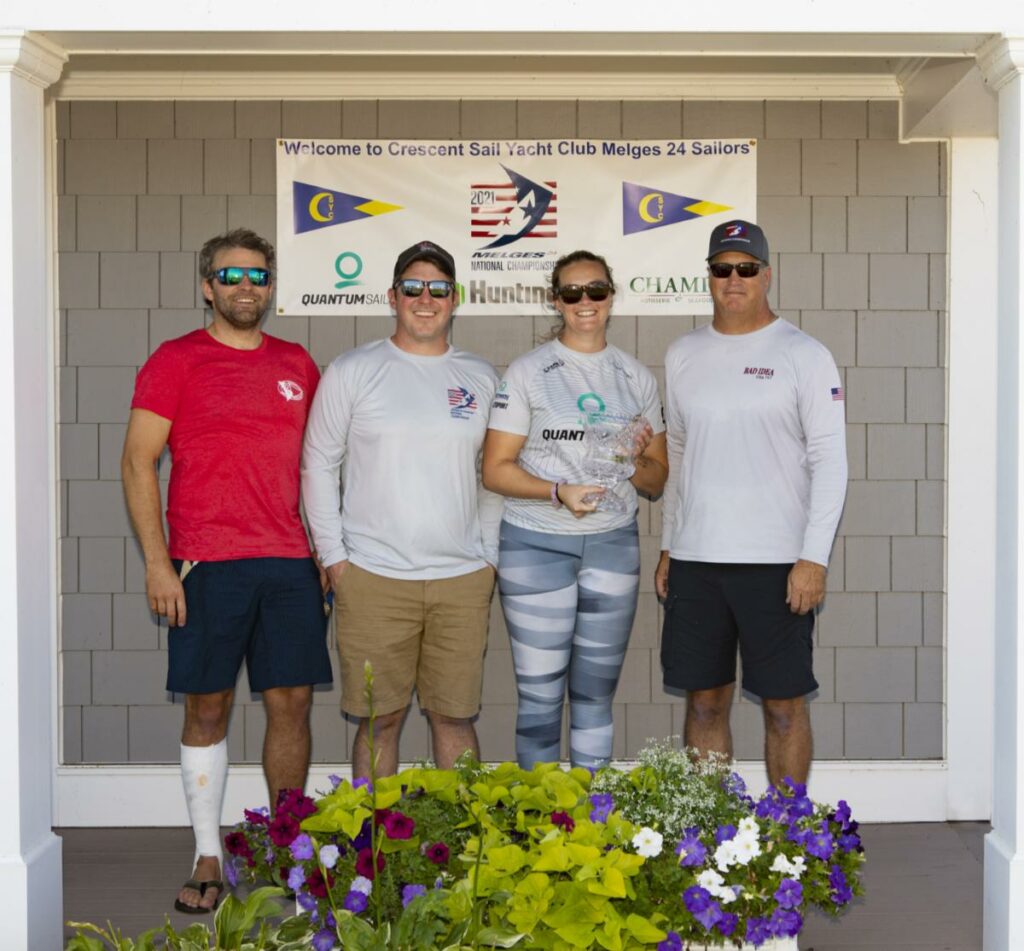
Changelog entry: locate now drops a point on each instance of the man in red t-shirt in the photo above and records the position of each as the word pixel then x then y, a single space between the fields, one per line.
pixel 235 579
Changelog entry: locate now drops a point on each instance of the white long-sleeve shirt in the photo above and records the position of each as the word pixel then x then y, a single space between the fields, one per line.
pixel 757 447
pixel 409 431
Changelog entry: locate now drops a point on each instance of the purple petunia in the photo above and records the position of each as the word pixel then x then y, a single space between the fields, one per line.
pixel 691 850
pixel 820 844
pixel 734 785
pixel 603 804
pixel 843 814
pixel 789 894
pixel 725 833
pixel 323 940
pixel 355 902
pixel 306 901
pixel 757 932
pixel 411 893
pixel 362 841
pixel 672 942
pixel 296 878
pixel 698 903
pixel 839 890
pixel 231 872
pixel 329 855
pixel 727 923
pixel 335 780
pixel 301 847
pixel 362 781
pixel 785 923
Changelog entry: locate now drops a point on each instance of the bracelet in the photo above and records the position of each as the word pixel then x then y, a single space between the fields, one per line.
pixel 555 500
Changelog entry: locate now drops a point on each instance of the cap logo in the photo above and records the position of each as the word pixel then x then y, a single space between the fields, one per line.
pixel 735 230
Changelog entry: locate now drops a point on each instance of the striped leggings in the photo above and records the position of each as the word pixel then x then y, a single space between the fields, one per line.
pixel 569 602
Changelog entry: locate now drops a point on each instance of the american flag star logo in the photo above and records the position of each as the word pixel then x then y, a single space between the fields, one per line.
pixel 837 393
pixel 461 402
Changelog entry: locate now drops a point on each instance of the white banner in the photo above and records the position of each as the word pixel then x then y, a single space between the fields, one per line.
pixel 506 210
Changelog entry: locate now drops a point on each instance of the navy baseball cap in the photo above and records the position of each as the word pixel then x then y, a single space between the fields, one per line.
pixel 739 235
pixel 425 251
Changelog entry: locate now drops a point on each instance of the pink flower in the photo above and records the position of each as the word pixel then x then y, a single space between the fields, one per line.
pixel 364 863
pixel 257 817
pixel 564 820
pixel 295 803
pixel 237 844
pixel 283 830
pixel 317 884
pixel 437 853
pixel 399 826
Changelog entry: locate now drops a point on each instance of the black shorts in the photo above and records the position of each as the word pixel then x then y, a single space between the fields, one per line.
pixel 268 611
pixel 711 608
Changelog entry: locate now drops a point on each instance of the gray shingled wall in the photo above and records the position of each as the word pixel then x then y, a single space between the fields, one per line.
pixel 858 226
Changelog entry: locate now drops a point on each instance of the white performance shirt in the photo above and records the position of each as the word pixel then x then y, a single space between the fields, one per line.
pixel 757 447
pixel 546 396
pixel 409 430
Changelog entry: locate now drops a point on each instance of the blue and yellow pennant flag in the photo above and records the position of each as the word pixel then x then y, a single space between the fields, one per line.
pixel 644 208
pixel 318 207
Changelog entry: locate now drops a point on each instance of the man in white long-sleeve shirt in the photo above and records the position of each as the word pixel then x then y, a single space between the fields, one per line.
pixel 411 542
pixel 757 481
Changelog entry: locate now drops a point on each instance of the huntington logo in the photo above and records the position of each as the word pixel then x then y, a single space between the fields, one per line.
pixel 315 207
pixel 645 207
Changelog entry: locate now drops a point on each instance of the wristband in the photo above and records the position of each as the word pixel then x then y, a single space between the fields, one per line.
pixel 555 500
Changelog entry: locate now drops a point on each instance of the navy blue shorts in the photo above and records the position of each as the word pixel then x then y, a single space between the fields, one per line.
pixel 712 608
pixel 267 611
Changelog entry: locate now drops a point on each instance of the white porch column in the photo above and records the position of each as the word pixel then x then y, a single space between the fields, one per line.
pixel 30 854
pixel 1002 62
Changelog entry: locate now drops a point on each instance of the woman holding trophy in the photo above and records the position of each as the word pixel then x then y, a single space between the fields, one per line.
pixel 575 430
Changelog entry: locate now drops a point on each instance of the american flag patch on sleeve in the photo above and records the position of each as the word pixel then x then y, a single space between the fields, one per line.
pixel 837 393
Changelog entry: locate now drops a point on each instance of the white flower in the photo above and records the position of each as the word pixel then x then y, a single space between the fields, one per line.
pixel 329 856
pixel 648 843
pixel 361 884
pixel 782 864
pixel 797 867
pixel 725 855
pixel 729 894
pixel 746 847
pixel 711 880
pixel 748 826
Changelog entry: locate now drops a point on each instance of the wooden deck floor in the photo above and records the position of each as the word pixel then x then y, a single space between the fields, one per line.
pixel 924 885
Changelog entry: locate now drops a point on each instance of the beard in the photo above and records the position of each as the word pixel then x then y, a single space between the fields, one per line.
pixel 241 316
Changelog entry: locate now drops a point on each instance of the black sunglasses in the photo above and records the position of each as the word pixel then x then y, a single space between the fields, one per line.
pixel 258 276
pixel 573 293
pixel 744 269
pixel 413 287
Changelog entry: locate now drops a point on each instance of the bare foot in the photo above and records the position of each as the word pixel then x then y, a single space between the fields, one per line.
pixel 207 870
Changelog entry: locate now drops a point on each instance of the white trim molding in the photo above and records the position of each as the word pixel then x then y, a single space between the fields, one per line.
pixel 140 796
pixel 33 58
pixel 1001 59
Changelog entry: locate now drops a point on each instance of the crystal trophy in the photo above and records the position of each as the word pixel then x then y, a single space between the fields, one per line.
pixel 609 455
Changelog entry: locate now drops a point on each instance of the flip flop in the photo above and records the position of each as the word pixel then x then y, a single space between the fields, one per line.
pixel 200 887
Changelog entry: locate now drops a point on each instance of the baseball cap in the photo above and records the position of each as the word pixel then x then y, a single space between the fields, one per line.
pixel 425 251
pixel 739 236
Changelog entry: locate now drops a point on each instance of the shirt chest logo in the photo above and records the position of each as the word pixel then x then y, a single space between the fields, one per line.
pixel 461 403
pixel 759 373
pixel 290 390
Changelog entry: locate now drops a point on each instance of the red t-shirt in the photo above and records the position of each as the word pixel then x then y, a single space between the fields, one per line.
pixel 237 419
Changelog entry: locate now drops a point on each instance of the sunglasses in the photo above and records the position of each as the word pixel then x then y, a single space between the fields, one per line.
pixel 743 269
pixel 413 287
pixel 573 293
pixel 258 276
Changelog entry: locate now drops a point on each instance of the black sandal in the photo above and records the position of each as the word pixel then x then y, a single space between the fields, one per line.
pixel 200 887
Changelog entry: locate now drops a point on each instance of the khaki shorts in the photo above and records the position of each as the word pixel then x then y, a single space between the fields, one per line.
pixel 430 635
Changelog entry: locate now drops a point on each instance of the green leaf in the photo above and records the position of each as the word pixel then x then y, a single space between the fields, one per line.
pixel 499 937
pixel 643 930
pixel 506 859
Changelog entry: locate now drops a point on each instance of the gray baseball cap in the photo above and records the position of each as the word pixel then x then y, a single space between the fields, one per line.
pixel 425 251
pixel 739 235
